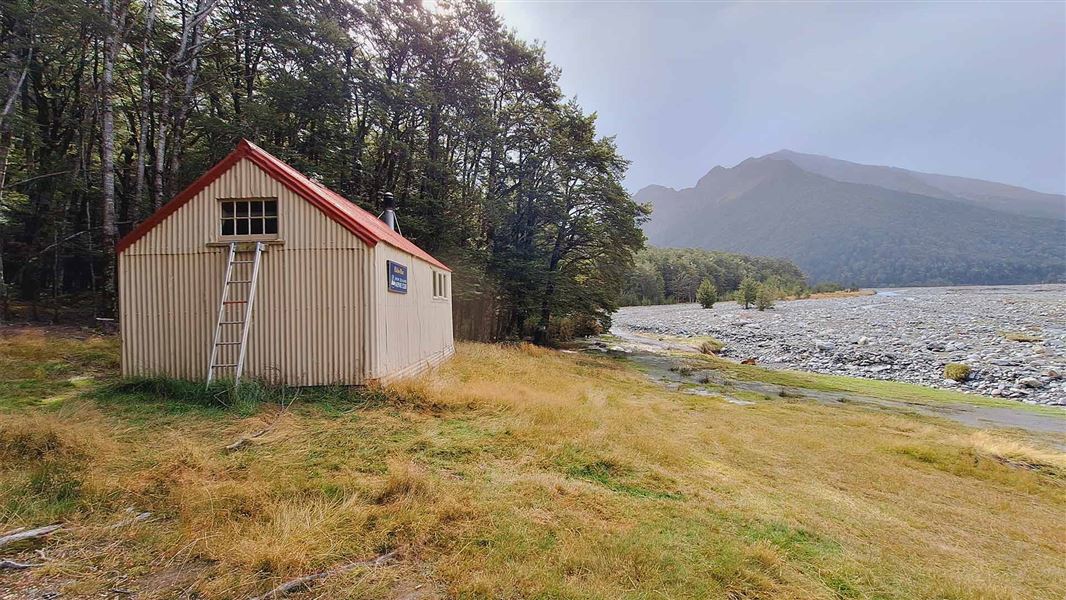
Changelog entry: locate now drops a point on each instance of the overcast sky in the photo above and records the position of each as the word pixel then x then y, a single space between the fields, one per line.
pixel 971 89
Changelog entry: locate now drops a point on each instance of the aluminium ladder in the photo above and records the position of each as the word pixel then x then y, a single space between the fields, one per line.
pixel 237 279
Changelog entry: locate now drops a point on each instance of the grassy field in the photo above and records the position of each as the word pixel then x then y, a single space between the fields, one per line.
pixel 511 472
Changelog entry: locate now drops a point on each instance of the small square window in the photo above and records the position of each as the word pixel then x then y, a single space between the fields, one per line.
pixel 249 217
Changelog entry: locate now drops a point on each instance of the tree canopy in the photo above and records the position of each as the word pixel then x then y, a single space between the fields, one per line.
pixel 113 106
pixel 668 275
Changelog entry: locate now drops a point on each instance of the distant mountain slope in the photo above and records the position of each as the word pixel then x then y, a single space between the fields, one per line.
pixel 856 233
pixel 989 194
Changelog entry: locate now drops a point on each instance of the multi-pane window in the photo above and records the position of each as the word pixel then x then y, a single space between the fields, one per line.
pixel 440 285
pixel 249 217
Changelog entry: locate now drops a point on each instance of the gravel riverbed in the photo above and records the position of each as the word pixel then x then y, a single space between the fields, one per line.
pixel 901 334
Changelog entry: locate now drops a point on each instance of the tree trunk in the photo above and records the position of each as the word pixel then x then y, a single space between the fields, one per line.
pixel 112 43
pixel 144 106
pixel 549 290
pixel 5 146
pixel 14 87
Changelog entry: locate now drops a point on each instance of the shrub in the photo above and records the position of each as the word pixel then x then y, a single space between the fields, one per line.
pixel 956 371
pixel 711 346
pixel 764 298
pixel 749 289
pixel 707 294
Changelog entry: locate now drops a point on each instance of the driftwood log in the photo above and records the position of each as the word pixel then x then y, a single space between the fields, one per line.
pixel 302 584
pixel 20 535
pixel 10 564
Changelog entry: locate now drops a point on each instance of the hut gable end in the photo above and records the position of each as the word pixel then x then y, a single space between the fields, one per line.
pixel 250 172
pixel 193 225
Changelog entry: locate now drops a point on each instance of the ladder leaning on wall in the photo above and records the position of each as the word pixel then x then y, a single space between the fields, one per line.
pixel 238 290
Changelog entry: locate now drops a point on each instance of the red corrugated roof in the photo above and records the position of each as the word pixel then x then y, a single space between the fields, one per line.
pixel 362 224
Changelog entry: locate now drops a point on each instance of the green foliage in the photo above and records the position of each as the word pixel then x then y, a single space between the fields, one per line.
pixel 956 371
pixel 493 169
pixel 668 275
pixel 764 298
pixel 707 294
pixel 748 292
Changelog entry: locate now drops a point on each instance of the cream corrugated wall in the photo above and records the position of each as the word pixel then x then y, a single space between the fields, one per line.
pixel 413 330
pixel 312 308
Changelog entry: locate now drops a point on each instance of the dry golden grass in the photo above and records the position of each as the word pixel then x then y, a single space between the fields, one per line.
pixel 520 472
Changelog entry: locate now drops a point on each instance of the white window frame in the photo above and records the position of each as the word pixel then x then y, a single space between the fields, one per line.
pixel 441 289
pixel 262 218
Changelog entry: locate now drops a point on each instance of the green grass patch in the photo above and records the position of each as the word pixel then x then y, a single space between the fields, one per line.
pixel 34 367
pixel 876 388
pixel 611 474
pixel 150 396
pixel 968 462
pixel 794 542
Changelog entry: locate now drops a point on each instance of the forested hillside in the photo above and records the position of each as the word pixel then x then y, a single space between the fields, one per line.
pixel 668 275
pixel 864 234
pixel 111 107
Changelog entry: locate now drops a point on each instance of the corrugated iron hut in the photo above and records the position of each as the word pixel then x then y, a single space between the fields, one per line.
pixel 257 271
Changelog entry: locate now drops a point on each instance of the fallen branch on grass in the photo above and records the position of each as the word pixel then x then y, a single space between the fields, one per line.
pixel 28 534
pixel 246 440
pixel 22 534
pixel 302 584
pixel 10 564
pixel 137 518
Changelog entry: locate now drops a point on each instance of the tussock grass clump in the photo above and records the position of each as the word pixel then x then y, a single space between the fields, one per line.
pixel 711 346
pixel 956 371
pixel 405 480
pixel 50 464
pixel 38 438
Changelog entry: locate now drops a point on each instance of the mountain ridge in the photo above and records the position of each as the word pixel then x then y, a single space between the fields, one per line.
pixel 861 233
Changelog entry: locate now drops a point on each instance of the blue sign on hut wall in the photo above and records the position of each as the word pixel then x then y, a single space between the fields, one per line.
pixel 397 277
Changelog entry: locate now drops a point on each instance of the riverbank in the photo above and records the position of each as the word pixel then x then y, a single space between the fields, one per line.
pixel 1013 338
